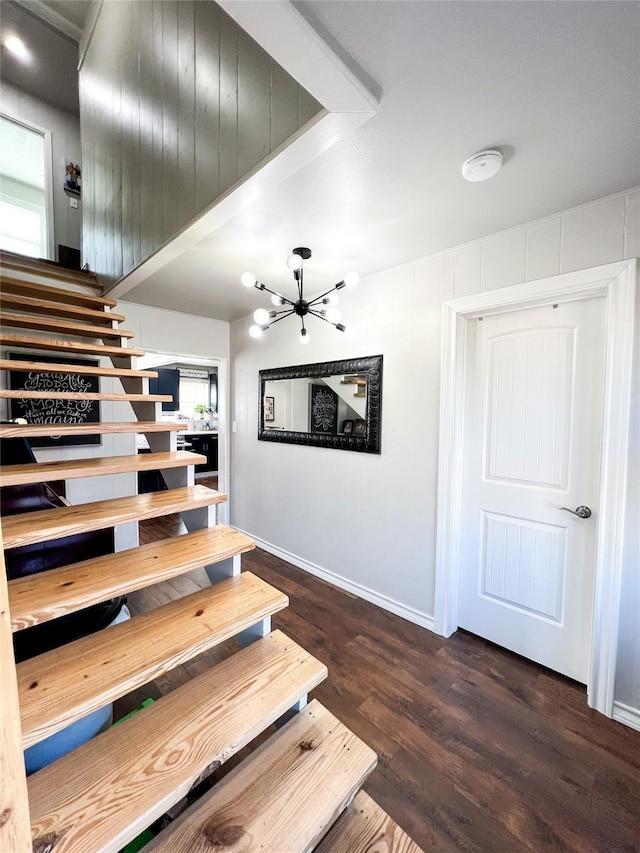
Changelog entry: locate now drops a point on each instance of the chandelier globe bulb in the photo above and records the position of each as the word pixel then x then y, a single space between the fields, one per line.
pixel 247 279
pixel 332 314
pixel 304 337
pixel 261 316
pixel 351 278
pixel 294 262
pixel 255 331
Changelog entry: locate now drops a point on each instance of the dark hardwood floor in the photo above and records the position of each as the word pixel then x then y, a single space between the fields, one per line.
pixel 479 750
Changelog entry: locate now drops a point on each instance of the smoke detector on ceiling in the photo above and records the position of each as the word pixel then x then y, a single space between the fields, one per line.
pixel 482 166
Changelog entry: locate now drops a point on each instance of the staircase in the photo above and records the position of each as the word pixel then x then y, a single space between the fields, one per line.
pixel 289 794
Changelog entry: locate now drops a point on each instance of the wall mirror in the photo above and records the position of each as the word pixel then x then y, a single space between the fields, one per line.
pixel 330 404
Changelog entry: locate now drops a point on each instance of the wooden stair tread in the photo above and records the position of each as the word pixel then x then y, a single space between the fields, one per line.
pixel 42 324
pixel 26 528
pixel 365 828
pixel 18 286
pixel 283 797
pixel 84 395
pixel 70 469
pixel 48 595
pixel 40 305
pixel 60 345
pixel 81 369
pixel 48 269
pixel 107 791
pixel 37 430
pixel 62 685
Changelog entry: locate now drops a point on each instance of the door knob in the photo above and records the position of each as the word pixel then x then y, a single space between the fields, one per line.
pixel 580 511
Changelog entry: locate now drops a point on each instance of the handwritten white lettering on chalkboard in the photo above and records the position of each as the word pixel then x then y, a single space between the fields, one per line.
pixel 324 410
pixel 45 410
pixel 56 382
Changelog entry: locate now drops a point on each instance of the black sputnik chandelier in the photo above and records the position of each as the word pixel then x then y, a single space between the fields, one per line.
pixel 323 307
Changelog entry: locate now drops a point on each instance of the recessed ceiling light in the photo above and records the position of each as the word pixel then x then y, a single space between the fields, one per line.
pixel 17 47
pixel 482 166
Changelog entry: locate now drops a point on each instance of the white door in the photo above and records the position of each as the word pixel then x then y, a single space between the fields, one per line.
pixel 533 428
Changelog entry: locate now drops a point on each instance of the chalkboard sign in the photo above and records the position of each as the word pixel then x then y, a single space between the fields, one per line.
pixel 323 410
pixel 44 411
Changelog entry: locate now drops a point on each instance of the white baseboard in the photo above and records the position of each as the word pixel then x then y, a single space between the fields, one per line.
pixel 627 715
pixel 408 613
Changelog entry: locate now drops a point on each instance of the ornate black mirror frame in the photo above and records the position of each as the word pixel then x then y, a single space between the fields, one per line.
pixel 367 443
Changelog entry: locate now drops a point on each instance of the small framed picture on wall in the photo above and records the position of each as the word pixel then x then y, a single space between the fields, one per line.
pixel 269 409
pixel 358 427
pixel 347 427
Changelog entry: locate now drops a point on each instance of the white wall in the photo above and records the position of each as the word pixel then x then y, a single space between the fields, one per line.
pixel 65 142
pixel 368 522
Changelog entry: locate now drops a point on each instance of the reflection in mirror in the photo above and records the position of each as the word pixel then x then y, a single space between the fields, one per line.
pixel 329 405
pixel 332 404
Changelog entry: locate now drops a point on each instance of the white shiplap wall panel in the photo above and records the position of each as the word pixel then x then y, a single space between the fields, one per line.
pixel 542 253
pixel 503 260
pixel 467 270
pixel 178 104
pixel 593 234
pixel 632 225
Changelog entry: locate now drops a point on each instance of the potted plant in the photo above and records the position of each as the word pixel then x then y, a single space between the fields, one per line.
pixel 202 411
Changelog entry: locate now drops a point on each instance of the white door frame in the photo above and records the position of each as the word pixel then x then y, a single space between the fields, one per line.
pixel 617 283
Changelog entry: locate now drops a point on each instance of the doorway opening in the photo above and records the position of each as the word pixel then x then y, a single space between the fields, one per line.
pixel 24 220
pixel 198 387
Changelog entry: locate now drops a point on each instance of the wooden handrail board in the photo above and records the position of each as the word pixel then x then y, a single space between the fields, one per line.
pixel 103 794
pixel 84 395
pixel 38 598
pixel 81 330
pixel 283 797
pixel 61 686
pixel 71 469
pixel 11 284
pixel 60 345
pixel 14 807
pixel 57 309
pixel 365 828
pixel 80 369
pixel 37 430
pixel 48 268
pixel 40 526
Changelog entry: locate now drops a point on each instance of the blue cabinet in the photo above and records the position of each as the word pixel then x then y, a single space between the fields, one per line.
pixel 207 445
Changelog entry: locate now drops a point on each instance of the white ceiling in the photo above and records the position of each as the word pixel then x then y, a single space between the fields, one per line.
pixel 554 85
pixel 51 73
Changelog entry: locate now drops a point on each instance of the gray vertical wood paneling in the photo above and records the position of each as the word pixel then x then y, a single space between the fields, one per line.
pixel 177 105
pixel 284 106
pixel 145 11
pixel 170 116
pixel 156 188
pixel 228 151
pixel 134 77
pixel 186 113
pixel 127 147
pixel 254 104
pixel 207 103
pixel 307 106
